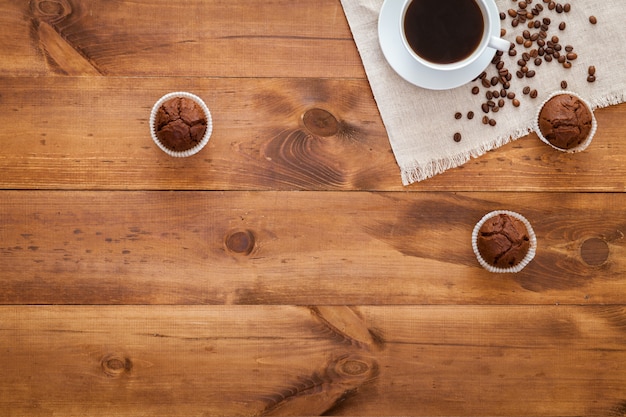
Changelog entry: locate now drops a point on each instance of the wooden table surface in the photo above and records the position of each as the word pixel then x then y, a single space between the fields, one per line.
pixel 283 270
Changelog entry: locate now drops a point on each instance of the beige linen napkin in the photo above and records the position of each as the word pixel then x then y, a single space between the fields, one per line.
pixel 420 123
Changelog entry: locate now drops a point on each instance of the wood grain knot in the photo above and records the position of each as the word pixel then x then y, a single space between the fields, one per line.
pixel 115 366
pixel 594 251
pixel 320 122
pixel 353 368
pixel 241 242
pixel 51 11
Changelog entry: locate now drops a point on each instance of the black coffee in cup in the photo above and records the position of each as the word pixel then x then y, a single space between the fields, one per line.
pixel 443 31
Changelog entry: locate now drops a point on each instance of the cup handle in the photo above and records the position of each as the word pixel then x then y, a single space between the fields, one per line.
pixel 499 43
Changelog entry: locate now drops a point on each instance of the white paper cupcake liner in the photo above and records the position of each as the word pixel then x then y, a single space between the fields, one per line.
pixel 592 132
pixel 205 138
pixel 531 250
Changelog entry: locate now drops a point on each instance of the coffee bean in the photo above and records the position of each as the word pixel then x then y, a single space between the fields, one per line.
pixel 534 36
pixel 555 39
pixel 486 83
pixel 526 90
pixel 495 94
pixel 546 21
pixel 591 70
pixel 563 84
pixel 569 48
pixel 457 137
pixel 458 115
pixel 561 59
pixel 526 56
pixel 502 15
pixel 491 103
pixel 571 56
pixel 591 78
pixel 519 40
pixel 485 108
pixel 522 5
pixel 512 52
pixel 534 94
pixel 526 34
pixel 512 12
pixel 528 43
pixel 492 122
pixel 551 5
pixel 500 65
pixel 485 120
pixel 558 47
pixel 530 74
pixel 567 64
pixel 567 7
pixel 503 92
pixel 562 26
pixel 593 20
pixel 538 61
pixel 475 90
pixel 502 32
pixel 495 109
pixel 501 102
pixel 470 115
pixel 521 62
pixel 515 22
pixel 547 58
pixel 559 8
pixel 516 102
pixel 510 95
pixel 494 81
pixel 489 95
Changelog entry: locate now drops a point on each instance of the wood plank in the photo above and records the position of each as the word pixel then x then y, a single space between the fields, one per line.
pixel 194 38
pixel 92 133
pixel 283 360
pixel 301 248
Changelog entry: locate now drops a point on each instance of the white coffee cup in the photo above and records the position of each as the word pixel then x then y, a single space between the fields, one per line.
pixel 489 39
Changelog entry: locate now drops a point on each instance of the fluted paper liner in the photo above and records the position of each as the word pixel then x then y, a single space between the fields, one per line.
pixel 592 132
pixel 525 261
pixel 207 133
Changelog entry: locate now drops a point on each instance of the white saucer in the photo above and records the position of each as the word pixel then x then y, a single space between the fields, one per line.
pixel 412 71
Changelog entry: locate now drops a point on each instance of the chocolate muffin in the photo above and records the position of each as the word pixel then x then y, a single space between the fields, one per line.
pixel 565 121
pixel 503 241
pixel 180 124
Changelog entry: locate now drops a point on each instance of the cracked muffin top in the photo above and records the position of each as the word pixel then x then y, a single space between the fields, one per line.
pixel 503 241
pixel 180 124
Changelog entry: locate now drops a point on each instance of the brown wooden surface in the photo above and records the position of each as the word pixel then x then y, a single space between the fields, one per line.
pixel 279 272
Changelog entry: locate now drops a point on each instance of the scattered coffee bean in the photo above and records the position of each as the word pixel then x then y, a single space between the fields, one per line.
pixel 502 15
pixel 470 115
pixel 457 137
pixel 495 109
pixel 512 12
pixel 516 102
pixel 492 122
pixel 591 78
pixel 475 90
pixel 567 7
pixel 563 84
pixel 534 94
pixel 489 95
pixel 593 20
pixel 501 102
pixel 559 8
pixel 528 43
pixel 562 26
pixel 567 64
pixel 458 115
pixel 538 61
pixel 486 83
pixel 526 90
pixel 485 120
pixel 571 56
pixel 530 74
pixel 510 95
pixel 485 108
pixel 591 70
